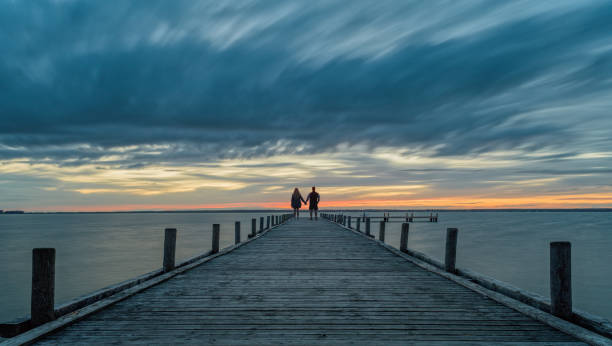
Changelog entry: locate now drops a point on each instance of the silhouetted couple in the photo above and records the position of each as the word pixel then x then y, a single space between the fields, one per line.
pixel 296 202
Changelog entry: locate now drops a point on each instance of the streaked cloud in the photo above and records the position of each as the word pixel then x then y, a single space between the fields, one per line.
pixel 212 103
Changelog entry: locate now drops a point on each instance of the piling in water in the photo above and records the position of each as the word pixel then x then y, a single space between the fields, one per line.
pixel 237 232
pixel 450 257
pixel 43 286
pixel 561 279
pixel 215 238
pixel 169 249
pixel 404 237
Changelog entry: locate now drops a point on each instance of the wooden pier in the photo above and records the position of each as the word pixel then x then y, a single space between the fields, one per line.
pixel 307 282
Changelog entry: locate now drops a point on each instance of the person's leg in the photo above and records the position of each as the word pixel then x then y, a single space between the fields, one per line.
pixel 311 214
pixel 316 211
pixel 297 212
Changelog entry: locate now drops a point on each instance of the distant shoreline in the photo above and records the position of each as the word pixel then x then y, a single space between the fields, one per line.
pixel 335 210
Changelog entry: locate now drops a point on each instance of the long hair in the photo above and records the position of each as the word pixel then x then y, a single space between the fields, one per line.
pixel 296 193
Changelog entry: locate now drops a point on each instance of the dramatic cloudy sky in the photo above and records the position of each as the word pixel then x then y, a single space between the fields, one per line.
pixel 115 105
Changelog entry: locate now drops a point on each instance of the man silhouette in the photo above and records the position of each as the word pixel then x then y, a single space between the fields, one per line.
pixel 314 199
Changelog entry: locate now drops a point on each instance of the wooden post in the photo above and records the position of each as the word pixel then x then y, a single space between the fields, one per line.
pixel 261 224
pixel 367 226
pixel 43 286
pixel 169 248
pixel 215 238
pixel 237 232
pixel 268 222
pixel 276 219
pixel 359 224
pixel 561 279
pixel 404 237
pixel 451 250
pixel 253 228
pixel 381 232
pixel 349 222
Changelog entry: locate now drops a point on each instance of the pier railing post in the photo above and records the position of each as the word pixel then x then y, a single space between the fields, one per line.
pixel 268 222
pixel 261 224
pixel 169 248
pixel 367 226
pixel 253 228
pixel 215 238
pixel 450 257
pixel 359 224
pixel 43 286
pixel 237 232
pixel 381 232
pixel 561 279
pixel 404 237
pixel 349 222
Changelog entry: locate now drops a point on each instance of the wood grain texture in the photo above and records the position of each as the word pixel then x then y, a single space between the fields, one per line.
pixel 309 282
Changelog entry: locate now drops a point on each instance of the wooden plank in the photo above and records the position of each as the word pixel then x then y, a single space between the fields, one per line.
pixel 37 333
pixel 314 283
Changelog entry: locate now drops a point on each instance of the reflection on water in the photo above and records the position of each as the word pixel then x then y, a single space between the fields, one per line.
pixel 97 250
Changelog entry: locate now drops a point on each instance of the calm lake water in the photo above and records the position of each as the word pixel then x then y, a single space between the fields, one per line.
pixel 97 250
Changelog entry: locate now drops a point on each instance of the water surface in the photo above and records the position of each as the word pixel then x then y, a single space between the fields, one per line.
pixel 97 250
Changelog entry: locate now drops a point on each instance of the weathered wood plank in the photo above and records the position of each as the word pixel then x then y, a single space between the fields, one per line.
pixel 309 282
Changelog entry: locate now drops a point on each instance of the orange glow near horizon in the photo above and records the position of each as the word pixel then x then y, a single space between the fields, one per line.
pixel 590 200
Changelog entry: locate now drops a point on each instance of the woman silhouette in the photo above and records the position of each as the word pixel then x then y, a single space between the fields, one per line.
pixel 296 202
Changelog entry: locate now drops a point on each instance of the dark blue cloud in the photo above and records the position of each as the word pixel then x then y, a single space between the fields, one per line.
pixel 231 80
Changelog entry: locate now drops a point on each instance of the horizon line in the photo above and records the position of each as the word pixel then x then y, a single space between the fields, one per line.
pixel 345 209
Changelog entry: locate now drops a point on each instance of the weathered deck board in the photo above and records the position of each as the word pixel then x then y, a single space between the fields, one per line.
pixel 303 283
